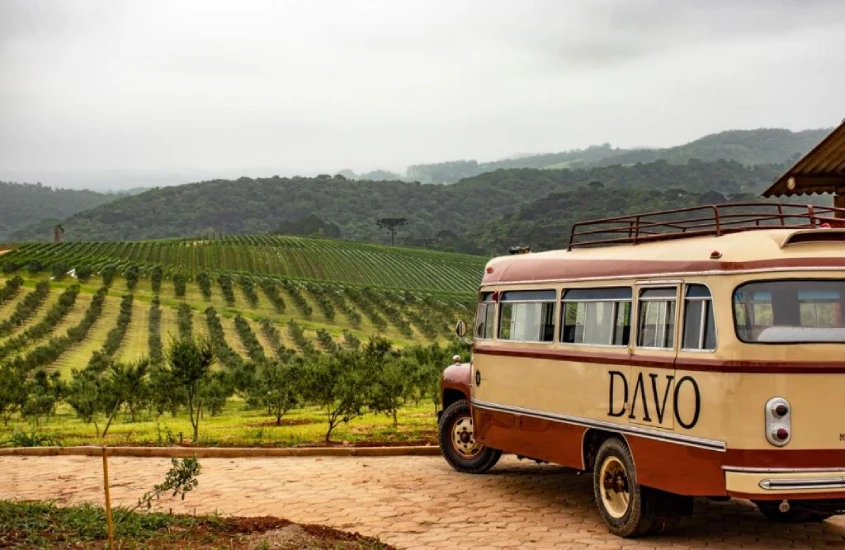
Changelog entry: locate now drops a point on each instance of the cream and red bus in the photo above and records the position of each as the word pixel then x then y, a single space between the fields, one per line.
pixel 680 354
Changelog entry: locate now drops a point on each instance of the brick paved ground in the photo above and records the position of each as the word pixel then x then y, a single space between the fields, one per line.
pixel 411 502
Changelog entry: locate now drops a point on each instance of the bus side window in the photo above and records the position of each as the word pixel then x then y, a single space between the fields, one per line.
pixel 699 324
pixel 597 316
pixel 485 317
pixel 527 315
pixel 656 328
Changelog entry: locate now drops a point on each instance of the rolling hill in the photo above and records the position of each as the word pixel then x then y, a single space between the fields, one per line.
pixel 444 217
pixel 24 204
pixel 255 297
pixel 747 147
pixel 340 262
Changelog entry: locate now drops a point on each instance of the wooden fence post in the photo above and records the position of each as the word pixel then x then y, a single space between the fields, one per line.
pixel 109 523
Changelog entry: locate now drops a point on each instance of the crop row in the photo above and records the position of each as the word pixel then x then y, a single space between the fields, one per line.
pixel 289 257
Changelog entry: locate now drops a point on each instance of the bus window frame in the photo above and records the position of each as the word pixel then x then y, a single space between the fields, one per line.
pixel 735 324
pixel 486 303
pixel 555 302
pixel 562 313
pixel 712 300
pixel 641 286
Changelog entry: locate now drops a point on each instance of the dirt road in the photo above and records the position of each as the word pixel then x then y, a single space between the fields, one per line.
pixel 412 502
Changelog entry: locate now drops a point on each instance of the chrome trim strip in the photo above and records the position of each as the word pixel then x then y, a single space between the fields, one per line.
pixel 802 484
pixel 752 470
pixel 701 443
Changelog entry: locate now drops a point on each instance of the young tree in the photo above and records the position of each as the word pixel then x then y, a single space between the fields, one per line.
pixel 85 396
pixel 43 394
pixel 278 386
pixel 93 392
pixel 12 392
pixel 128 386
pixel 339 384
pixel 389 382
pixel 216 392
pixel 189 369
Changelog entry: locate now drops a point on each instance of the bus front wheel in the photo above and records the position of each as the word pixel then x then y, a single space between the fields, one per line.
pixel 628 509
pixel 457 441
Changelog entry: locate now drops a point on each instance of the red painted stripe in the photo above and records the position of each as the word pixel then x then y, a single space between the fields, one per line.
pixel 658 362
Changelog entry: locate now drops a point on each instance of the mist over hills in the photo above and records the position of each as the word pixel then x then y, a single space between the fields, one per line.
pixel 748 147
pixel 470 216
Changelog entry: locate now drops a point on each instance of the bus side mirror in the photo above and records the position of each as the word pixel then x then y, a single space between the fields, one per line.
pixel 461 328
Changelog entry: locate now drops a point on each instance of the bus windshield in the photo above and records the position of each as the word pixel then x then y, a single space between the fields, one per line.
pixel 790 311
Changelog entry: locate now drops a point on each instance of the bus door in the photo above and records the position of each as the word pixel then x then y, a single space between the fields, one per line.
pixel 526 323
pixel 651 375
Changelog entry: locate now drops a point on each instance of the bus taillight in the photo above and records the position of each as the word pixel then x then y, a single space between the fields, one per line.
pixel 778 421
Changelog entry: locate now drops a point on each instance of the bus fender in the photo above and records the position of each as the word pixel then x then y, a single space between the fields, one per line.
pixel 454 385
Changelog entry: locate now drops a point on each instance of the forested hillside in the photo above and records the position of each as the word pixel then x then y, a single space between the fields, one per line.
pixel 445 217
pixel 748 147
pixel 23 204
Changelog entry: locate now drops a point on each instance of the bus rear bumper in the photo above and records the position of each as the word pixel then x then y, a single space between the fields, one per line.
pixel 772 484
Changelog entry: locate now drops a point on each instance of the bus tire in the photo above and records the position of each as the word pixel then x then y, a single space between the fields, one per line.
pixel 627 509
pixel 770 509
pixel 457 444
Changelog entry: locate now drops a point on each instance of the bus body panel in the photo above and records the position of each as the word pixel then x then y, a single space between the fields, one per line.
pixel 706 409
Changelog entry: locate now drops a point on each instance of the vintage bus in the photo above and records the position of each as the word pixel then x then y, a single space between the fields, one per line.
pixel 689 353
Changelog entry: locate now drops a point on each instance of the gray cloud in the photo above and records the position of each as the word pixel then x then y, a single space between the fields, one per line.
pixel 201 88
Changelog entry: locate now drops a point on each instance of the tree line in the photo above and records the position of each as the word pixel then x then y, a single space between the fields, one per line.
pixel 372 377
pixel 447 217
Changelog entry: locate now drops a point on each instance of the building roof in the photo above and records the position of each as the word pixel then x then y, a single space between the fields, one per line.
pixel 822 170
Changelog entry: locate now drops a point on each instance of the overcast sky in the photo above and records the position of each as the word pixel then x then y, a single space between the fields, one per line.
pixel 245 87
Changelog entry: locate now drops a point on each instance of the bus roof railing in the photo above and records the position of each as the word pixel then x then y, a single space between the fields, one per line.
pixel 706 220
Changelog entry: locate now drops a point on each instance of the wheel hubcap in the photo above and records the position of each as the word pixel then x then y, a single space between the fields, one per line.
pixel 463 440
pixel 615 490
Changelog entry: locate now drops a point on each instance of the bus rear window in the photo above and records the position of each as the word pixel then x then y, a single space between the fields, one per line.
pixel 794 311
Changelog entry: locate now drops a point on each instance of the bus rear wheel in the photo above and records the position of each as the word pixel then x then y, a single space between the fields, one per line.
pixel 627 509
pixel 457 441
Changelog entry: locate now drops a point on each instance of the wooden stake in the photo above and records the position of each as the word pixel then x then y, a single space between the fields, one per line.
pixel 108 499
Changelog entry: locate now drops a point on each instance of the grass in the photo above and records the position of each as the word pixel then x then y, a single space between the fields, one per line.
pixel 77 357
pixel 42 524
pixel 265 345
pixel 237 427
pixel 35 318
pixel 136 340
pixel 45 525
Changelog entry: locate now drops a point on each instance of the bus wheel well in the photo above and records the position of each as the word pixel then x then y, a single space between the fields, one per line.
pixel 450 396
pixel 592 441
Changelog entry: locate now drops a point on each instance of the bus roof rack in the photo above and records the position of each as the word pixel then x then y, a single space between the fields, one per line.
pixel 697 221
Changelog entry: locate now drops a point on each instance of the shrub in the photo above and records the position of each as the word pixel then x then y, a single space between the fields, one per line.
pixel 180 283
pixel 156 276
pixel 59 270
pixel 83 272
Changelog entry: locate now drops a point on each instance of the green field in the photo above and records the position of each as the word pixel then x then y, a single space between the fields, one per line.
pixel 54 322
pixel 275 256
